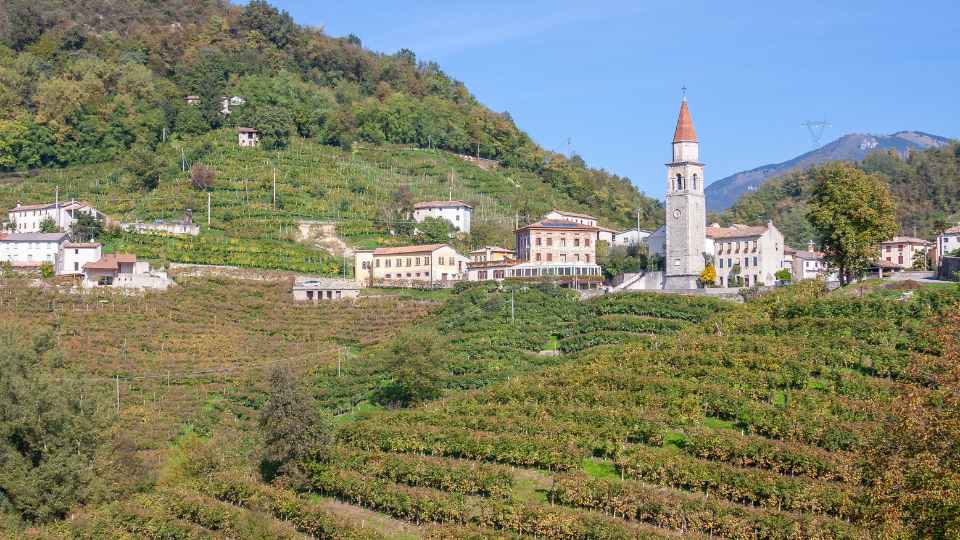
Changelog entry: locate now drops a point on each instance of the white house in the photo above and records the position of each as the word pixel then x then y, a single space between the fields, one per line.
pixel 74 256
pixel 122 270
pixel 248 137
pixel 458 213
pixel 27 218
pixel 32 250
pixel 810 264
pixel 754 253
pixel 316 290
pixel 948 241
pixel 409 266
pixel 630 238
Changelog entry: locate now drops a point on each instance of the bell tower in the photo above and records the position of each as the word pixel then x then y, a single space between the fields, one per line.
pixel 686 208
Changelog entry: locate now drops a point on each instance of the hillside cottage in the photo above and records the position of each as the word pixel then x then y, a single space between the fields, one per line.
pixel 746 255
pixel 490 254
pixel 429 265
pixel 248 137
pixel 28 218
pixel 32 250
pixel 316 290
pixel 902 252
pixel 74 256
pixel 458 213
pixel 123 270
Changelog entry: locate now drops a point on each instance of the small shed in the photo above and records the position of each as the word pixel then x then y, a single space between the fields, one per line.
pixel 318 289
pixel 248 137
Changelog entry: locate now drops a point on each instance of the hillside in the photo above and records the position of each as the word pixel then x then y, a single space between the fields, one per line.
pixel 93 98
pixel 925 186
pixel 725 192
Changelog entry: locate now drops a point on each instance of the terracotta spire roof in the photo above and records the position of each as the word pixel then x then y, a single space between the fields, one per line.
pixel 684 132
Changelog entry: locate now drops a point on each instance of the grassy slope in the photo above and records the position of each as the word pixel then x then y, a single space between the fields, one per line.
pixel 314 182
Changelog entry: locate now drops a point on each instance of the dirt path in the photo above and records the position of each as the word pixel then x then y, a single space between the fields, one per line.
pixel 323 235
pixel 381 523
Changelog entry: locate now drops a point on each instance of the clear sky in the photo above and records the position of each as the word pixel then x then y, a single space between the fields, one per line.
pixel 607 74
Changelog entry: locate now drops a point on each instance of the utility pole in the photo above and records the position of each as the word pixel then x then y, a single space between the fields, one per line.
pixel 117 379
pixel 339 358
pixel 274 188
pixel 513 313
pixel 208 209
pixel 56 204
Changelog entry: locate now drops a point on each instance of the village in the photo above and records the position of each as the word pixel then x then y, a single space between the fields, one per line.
pixel 563 248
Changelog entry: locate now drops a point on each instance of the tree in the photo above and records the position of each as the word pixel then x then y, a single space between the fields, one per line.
pixel 87 227
pixel 144 166
pixel 412 363
pixel 293 426
pixel 913 464
pixel 49 225
pixel 274 125
pixel 709 275
pixel 852 212
pixel 433 230
pixel 783 275
pixel 202 177
pixel 48 436
pixel 621 260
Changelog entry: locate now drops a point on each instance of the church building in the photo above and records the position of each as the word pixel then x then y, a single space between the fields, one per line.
pixel 686 208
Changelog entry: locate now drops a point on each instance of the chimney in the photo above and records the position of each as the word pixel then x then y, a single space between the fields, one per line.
pixel 811 247
pixel 18 204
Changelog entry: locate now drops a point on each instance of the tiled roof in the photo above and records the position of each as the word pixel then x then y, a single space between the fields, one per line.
pixel 25 207
pixel 808 255
pixel 495 249
pixel 952 230
pixel 737 231
pixel 787 250
pixel 246 130
pixel 608 229
pixel 82 245
pixel 906 240
pixel 110 261
pixel 558 224
pixel 71 205
pixel 441 204
pixel 33 237
pixel 408 249
pixel 684 131
pixel 571 214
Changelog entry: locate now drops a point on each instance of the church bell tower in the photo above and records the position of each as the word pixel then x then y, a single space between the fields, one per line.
pixel 686 208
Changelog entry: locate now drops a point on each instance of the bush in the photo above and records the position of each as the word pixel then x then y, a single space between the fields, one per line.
pixel 202 178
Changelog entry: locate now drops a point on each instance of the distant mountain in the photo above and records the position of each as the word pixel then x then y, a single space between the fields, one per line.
pixel 853 147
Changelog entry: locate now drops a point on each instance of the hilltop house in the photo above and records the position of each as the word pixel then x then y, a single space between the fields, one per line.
pixel 123 270
pixel 458 213
pixel 604 234
pixel 27 218
pixel 316 290
pixel 32 250
pixel 746 255
pixel 902 252
pixel 409 266
pixel 248 137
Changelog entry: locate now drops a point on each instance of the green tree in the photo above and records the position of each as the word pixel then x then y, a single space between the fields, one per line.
pixel 852 212
pixel 274 125
pixel 434 230
pixel 49 225
pixel 293 426
pixel 87 227
pixel 48 436
pixel 144 167
pixel 411 364
pixel 783 275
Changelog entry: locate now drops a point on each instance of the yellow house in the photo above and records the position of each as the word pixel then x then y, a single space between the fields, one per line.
pixel 409 266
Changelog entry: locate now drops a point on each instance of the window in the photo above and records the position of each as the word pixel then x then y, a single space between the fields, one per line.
pixel 549 241
pixel 76 252
pixel 576 242
pixel 679 182
pixel 586 242
pixel 754 261
pixel 537 241
pixel 417 263
pixel 721 262
pixel 388 276
pixel 409 260
pixel 588 257
pixel 888 248
pixel 537 257
pixel 388 263
pixel 563 257
pixel 695 181
pixel 563 242
pixel 549 257
pixel 376 263
pixel 76 266
pixel 577 257
pixel 418 274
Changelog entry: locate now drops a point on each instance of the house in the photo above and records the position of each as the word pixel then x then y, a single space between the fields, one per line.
pixel 32 250
pixel 74 256
pixel 810 264
pixel 28 218
pixel 788 257
pixel 947 242
pixel 631 237
pixel 606 234
pixel 180 227
pixel 458 213
pixel 429 265
pixel 490 270
pixel 582 219
pixel 192 100
pixel 316 290
pixel 227 102
pixel 248 137
pixel 746 255
pixel 901 252
pixel 123 270
pixel 557 249
pixel 490 254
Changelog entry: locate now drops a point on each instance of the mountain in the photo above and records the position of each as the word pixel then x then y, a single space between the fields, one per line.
pixel 852 147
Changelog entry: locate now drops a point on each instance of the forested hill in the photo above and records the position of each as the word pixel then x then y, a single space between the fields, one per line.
pixel 925 186
pixel 90 80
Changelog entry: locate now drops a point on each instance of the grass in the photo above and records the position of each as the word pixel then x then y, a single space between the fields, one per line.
pixel 716 423
pixel 600 469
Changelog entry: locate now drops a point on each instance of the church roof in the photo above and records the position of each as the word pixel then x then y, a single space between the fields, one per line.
pixel 684 131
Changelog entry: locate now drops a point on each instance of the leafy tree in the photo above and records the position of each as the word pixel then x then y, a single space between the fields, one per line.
pixel 274 125
pixel 852 213
pixel 783 275
pixel 202 177
pixel 144 166
pixel 434 230
pixel 620 260
pixel 411 364
pixel 49 225
pixel 275 25
pixel 87 227
pixel 709 275
pixel 293 426
pixel 48 436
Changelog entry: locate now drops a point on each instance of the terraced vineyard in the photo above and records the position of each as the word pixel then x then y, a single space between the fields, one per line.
pixel 749 424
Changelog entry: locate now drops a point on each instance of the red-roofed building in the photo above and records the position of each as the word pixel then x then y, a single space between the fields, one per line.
pixel 557 249
pixel 902 252
pixel 123 270
pixel 745 255
pixel 458 213
pixel 430 265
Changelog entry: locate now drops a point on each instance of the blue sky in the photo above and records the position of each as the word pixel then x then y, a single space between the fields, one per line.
pixel 607 74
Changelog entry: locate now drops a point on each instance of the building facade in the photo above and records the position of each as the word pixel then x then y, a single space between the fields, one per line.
pixel 76 255
pixel 582 219
pixel 248 137
pixel 629 238
pixel 560 250
pixel 458 213
pixel 947 242
pixel 28 218
pixel 123 271
pixel 32 250
pixel 491 254
pixel 409 266
pixel 746 255
pixel 902 252
pixel 686 208
pixel 317 290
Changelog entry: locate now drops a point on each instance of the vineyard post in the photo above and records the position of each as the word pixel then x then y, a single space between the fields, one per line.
pixel 208 208
pixel 117 381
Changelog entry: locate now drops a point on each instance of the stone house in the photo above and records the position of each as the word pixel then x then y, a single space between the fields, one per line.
pixel 901 252
pixel 754 253
pixel 631 237
pixel 458 213
pixel 317 290
pixel 428 265
pixel 248 137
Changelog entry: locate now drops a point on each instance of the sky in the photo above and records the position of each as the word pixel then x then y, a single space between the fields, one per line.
pixel 603 78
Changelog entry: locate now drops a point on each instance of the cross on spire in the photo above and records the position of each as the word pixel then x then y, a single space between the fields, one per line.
pixel 683 92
